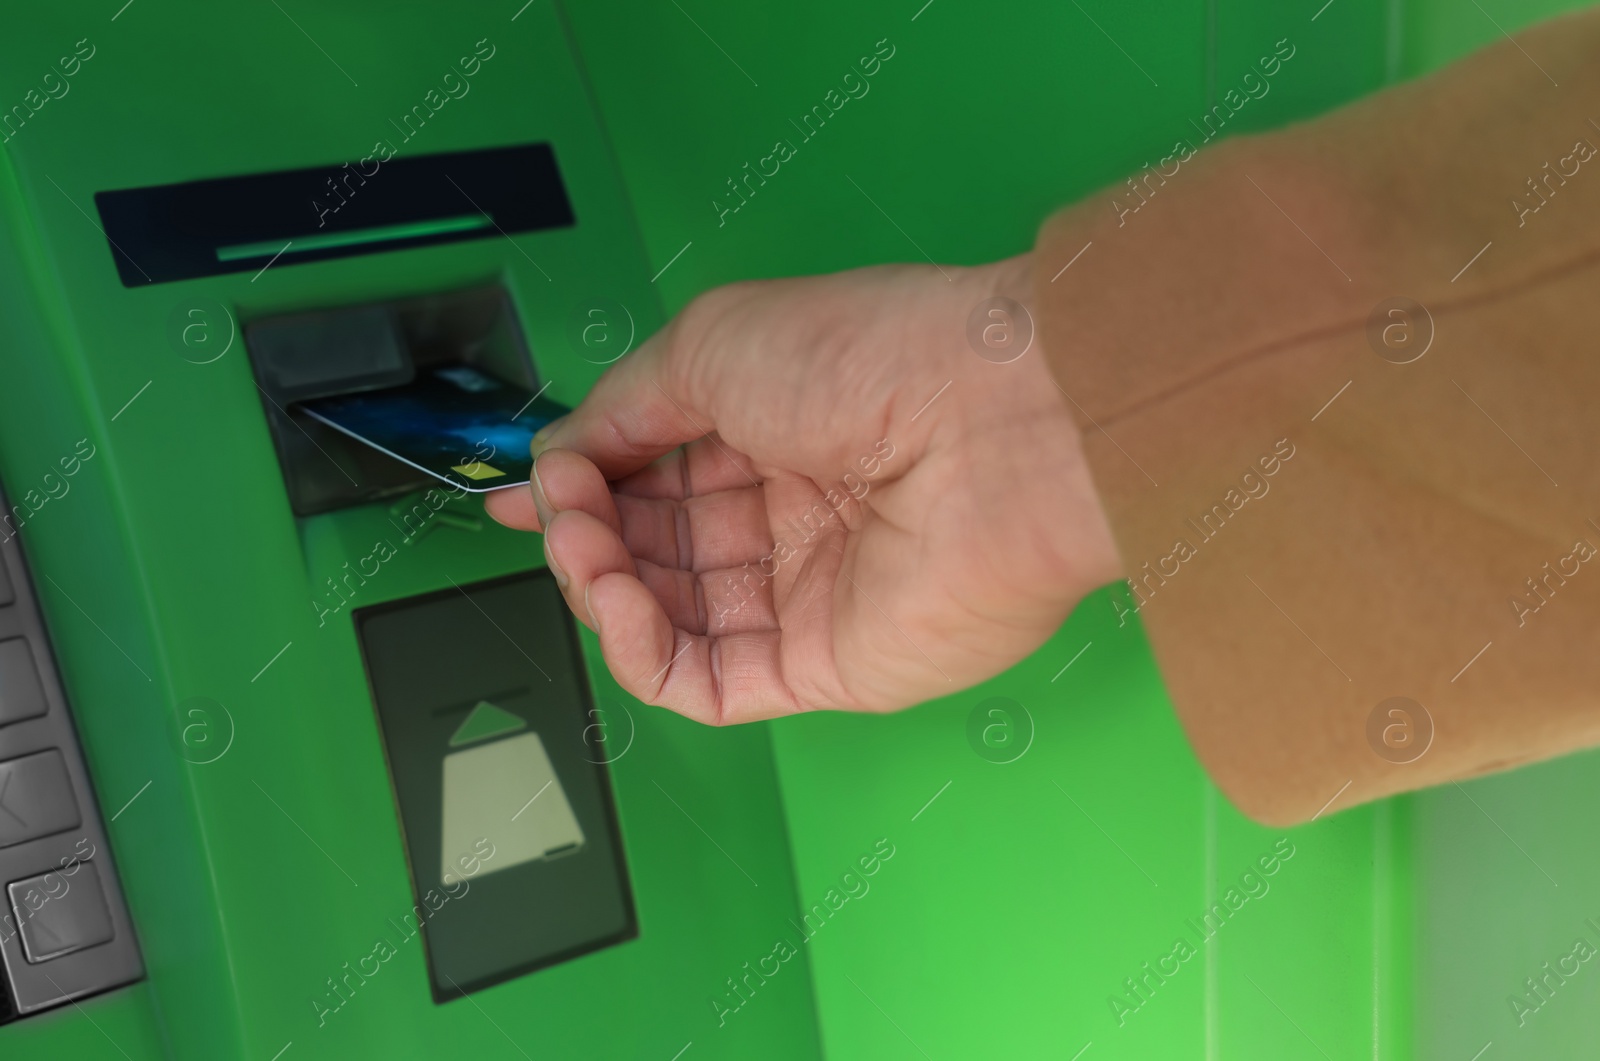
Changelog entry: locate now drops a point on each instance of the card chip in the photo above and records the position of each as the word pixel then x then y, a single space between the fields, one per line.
pixel 477 470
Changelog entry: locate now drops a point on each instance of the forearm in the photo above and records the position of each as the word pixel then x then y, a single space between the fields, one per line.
pixel 1309 527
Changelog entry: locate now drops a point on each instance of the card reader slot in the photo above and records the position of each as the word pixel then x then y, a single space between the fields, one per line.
pixel 304 243
pixel 343 350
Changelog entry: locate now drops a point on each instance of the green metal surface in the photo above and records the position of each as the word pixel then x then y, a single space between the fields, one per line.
pixel 1008 904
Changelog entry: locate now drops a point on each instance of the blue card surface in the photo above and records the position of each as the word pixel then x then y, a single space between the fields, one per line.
pixel 458 424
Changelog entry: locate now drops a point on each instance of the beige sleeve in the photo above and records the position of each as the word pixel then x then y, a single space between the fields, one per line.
pixel 1326 499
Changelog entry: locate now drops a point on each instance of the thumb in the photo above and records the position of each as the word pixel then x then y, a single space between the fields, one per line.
pixel 639 410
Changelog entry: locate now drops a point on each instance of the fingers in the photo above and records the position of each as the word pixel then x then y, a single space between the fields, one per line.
pixel 736 601
pixel 732 679
pixel 561 480
pixel 704 466
pixel 580 548
pixel 680 594
pixel 728 528
pixel 564 480
pixel 638 411
pixel 512 507
pixel 724 529
pixel 656 530
pixel 642 648
pixel 649 620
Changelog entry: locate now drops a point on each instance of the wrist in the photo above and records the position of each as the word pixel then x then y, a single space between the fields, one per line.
pixel 1065 493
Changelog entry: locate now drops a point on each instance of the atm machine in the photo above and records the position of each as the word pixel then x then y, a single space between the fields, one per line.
pixel 301 757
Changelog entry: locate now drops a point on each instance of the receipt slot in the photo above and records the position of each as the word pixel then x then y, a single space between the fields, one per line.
pixel 483 705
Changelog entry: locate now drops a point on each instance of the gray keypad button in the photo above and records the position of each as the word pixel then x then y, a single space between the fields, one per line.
pixel 58 913
pixel 21 695
pixel 35 798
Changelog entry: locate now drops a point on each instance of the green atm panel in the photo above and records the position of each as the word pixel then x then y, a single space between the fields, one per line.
pixel 195 577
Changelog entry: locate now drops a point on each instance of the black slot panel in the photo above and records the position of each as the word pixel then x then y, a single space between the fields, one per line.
pixel 504 796
pixel 209 227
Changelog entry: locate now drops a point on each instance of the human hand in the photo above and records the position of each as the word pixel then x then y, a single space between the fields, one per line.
pixel 866 513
